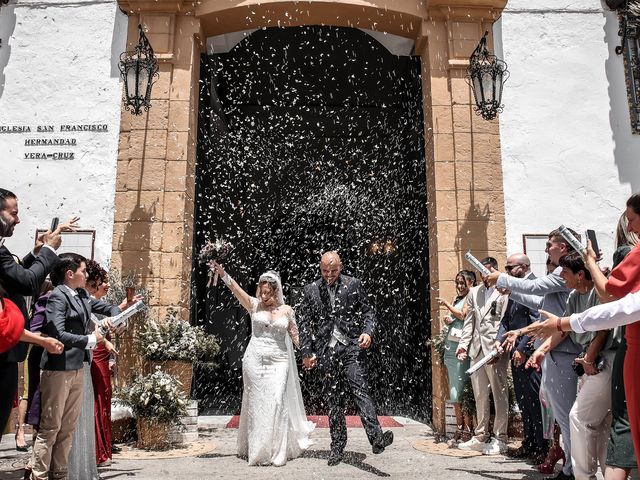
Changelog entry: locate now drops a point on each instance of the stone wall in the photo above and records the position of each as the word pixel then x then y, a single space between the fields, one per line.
pixel 465 202
pixel 156 164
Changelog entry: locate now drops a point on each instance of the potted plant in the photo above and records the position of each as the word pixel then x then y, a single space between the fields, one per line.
pixel 157 402
pixel 174 346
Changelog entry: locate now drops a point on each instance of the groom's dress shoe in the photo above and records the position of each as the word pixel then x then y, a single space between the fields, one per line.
pixel 335 458
pixel 382 442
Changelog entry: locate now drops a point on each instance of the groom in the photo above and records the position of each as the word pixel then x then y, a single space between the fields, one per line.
pixel 336 323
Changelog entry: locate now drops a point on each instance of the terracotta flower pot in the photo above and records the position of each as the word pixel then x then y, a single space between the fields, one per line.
pixel 152 434
pixel 180 369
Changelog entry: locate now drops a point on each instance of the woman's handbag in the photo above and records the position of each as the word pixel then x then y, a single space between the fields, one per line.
pixel 454 334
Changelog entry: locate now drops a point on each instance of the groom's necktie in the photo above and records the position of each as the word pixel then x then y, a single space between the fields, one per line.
pixel 83 307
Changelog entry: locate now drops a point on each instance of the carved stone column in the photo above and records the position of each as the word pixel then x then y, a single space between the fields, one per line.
pixel 156 163
pixel 464 168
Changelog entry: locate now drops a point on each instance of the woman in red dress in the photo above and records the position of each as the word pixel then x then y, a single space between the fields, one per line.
pixel 101 368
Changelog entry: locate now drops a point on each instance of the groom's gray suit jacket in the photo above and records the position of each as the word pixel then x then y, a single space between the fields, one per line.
pixel 352 314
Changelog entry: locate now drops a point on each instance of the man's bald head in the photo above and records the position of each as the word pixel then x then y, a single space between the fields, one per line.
pixel 330 267
pixel 329 258
pixel 518 265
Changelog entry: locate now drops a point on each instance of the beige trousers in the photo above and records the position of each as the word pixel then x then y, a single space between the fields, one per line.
pixel 61 398
pixel 491 378
pixel 590 420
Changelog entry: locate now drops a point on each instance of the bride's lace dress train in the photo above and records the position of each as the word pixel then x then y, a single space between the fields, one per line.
pixel 273 424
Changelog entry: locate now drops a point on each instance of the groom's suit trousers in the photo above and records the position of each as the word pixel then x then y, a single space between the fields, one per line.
pixel 343 368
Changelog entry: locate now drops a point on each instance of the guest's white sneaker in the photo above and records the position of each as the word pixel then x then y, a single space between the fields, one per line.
pixel 473 444
pixel 494 447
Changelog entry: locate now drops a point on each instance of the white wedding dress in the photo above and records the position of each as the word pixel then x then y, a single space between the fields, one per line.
pixel 273 423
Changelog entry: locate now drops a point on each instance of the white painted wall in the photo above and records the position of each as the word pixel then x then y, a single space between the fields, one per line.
pixel 58 65
pixel 567 149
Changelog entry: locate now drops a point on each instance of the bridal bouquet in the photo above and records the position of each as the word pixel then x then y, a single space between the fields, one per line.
pixel 214 251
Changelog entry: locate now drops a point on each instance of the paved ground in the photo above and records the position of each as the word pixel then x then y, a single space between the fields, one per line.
pixel 400 460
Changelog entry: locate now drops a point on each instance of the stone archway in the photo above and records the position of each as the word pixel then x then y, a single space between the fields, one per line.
pixel 156 159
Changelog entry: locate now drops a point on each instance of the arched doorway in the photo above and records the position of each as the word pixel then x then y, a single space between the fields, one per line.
pixel 310 139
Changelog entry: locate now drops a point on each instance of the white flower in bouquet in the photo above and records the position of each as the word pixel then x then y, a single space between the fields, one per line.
pixel 155 396
pixel 214 251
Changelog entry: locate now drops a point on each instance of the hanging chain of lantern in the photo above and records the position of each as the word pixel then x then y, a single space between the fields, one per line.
pixel 486 76
pixel 139 71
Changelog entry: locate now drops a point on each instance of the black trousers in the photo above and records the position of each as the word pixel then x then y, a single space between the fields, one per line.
pixel 8 389
pixel 526 383
pixel 343 368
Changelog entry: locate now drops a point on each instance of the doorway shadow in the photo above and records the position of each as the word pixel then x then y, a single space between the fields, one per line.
pixel 355 459
pixel 118 41
pixel 7 26
pixel 473 230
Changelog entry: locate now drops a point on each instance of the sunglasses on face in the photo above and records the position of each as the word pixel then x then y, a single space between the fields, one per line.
pixel 508 268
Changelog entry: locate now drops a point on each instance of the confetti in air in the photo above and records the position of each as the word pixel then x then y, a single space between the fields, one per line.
pixel 311 139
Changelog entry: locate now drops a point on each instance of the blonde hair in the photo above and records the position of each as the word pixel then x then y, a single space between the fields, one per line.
pixel 623 235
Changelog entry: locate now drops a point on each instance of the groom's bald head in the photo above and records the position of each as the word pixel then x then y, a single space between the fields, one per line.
pixel 330 266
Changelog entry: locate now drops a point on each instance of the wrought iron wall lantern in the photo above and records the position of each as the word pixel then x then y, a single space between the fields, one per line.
pixel 629 48
pixel 486 76
pixel 139 71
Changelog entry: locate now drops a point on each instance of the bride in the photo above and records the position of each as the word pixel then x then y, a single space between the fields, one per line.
pixel 273 423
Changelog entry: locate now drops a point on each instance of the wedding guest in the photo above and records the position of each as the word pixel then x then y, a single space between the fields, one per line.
pixel 456 369
pixel 624 279
pixel 102 368
pixel 20 278
pixel 38 320
pixel 91 446
pixel 485 308
pixel 589 416
pixel 621 459
pixel 558 380
pixel 62 382
pixel 526 382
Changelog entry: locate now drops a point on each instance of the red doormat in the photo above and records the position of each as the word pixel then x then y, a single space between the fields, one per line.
pixel 322 421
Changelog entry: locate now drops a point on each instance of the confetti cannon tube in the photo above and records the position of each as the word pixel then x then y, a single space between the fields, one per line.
pixel 483 361
pixel 122 317
pixel 476 263
pixel 571 240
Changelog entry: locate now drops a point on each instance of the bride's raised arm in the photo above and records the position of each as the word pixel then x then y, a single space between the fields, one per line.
pixel 293 328
pixel 243 297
